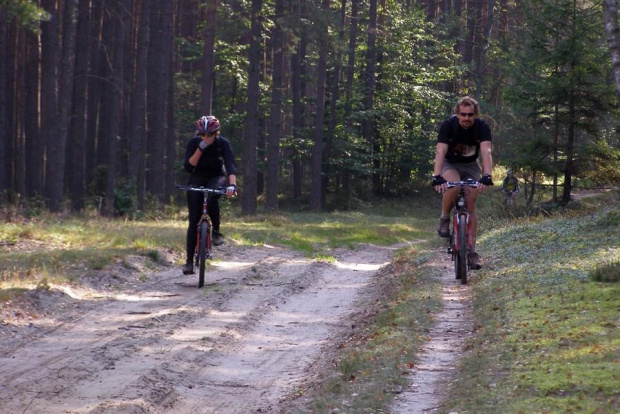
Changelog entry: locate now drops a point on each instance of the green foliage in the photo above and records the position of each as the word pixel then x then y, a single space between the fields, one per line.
pixel 559 69
pixel 416 61
pixel 125 198
pixel 25 12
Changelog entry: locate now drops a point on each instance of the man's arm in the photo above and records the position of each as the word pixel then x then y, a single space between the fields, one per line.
pixel 487 158
pixel 440 155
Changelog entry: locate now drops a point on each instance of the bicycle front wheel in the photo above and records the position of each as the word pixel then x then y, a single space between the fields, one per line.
pixel 462 253
pixel 203 251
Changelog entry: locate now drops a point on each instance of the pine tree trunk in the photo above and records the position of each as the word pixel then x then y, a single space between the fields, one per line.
pixel 317 148
pixel 159 65
pixel 35 161
pixel 120 22
pixel 275 119
pixel 297 92
pixel 49 103
pixel 250 171
pixel 208 78
pixel 369 84
pixel 610 14
pixel 4 133
pixel 137 115
pixel 76 167
pixel 353 29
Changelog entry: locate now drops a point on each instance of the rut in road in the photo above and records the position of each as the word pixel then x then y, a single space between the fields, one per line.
pixel 241 344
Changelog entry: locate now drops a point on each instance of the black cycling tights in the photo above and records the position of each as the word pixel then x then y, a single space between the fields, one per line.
pixel 194 206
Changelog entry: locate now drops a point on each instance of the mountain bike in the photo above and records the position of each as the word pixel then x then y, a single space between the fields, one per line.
pixel 461 236
pixel 203 242
pixel 510 198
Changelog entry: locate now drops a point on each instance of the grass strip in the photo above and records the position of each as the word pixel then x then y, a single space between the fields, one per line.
pixel 547 335
pixel 374 364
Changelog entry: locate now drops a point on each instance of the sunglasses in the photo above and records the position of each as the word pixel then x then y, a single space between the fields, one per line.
pixel 467 114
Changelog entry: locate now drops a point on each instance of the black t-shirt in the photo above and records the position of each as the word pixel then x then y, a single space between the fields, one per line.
pixel 216 159
pixel 463 144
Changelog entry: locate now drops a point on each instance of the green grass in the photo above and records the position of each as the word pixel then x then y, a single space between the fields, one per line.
pixel 312 233
pixel 548 337
pixel 62 249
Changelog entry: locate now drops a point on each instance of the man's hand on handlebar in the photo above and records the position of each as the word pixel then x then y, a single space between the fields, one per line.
pixel 231 190
pixel 486 180
pixel 439 183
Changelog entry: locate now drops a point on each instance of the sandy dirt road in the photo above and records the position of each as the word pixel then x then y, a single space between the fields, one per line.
pixel 242 344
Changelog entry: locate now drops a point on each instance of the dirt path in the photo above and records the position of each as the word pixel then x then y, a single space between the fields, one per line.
pixel 162 345
pixel 437 361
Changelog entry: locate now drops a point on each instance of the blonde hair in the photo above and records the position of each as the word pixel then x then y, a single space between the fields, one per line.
pixel 467 101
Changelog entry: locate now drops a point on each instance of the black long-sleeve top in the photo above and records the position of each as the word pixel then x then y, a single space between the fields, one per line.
pixel 216 159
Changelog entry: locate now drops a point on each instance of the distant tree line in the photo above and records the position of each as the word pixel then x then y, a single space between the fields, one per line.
pixel 324 102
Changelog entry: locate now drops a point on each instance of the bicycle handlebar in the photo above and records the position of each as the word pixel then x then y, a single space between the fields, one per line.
pixel 221 191
pixel 471 183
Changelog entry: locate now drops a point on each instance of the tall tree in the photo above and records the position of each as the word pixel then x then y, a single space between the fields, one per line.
pixel 369 81
pixel 49 103
pixel 297 94
pixel 208 75
pixel 159 67
pixel 348 100
pixel 137 115
pixel 34 163
pixel 4 135
pixel 119 20
pixel 317 147
pixel 275 119
pixel 250 170
pixel 76 168
pixel 612 30
pixel 58 146
pixel 333 102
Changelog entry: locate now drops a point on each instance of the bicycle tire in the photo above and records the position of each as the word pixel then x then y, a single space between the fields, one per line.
pixel 462 254
pixel 455 256
pixel 202 253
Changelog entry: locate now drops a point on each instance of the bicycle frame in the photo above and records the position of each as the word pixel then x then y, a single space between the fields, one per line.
pixel 203 233
pixel 461 238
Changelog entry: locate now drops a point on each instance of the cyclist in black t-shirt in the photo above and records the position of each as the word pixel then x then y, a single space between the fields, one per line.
pixel 210 161
pixel 462 139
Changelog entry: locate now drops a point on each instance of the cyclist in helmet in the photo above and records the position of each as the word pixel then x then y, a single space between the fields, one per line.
pixel 211 163
pixel 510 187
pixel 462 139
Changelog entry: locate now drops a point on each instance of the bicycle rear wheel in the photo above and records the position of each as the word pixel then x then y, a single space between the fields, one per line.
pixel 462 253
pixel 203 251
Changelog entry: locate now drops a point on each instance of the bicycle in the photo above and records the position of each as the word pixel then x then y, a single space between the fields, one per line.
pixel 510 198
pixel 460 237
pixel 203 242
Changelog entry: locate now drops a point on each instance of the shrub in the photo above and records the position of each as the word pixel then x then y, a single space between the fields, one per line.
pixel 609 272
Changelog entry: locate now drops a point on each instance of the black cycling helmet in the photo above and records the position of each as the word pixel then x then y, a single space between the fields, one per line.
pixel 207 125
